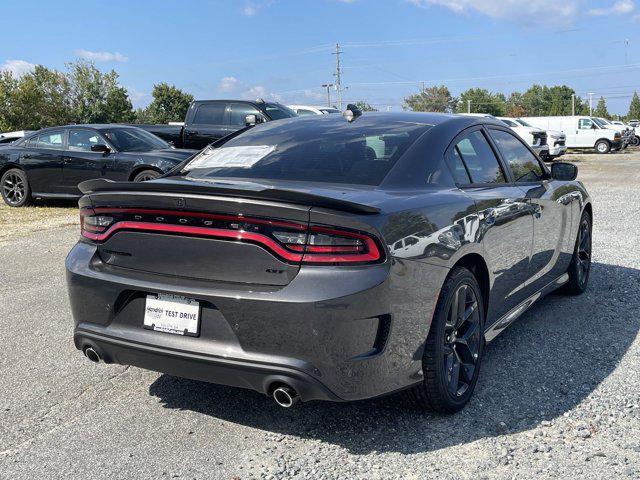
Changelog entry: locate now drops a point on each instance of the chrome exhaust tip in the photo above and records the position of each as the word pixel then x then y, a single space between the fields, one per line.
pixel 285 396
pixel 92 355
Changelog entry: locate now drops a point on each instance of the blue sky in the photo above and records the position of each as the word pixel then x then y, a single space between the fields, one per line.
pixel 282 48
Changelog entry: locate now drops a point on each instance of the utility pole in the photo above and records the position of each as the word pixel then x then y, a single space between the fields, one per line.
pixel 573 104
pixel 328 86
pixel 591 94
pixel 468 106
pixel 422 86
pixel 337 75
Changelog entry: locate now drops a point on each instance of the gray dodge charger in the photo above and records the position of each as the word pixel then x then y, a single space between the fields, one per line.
pixel 338 258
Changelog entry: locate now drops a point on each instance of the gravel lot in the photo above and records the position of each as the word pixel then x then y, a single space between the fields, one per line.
pixel 558 396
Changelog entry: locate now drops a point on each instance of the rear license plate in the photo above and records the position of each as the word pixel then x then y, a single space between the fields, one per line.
pixel 172 314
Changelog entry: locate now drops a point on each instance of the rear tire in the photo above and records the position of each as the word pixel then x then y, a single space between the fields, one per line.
pixel 580 266
pixel 145 175
pixel 635 141
pixel 602 146
pixel 454 347
pixel 15 188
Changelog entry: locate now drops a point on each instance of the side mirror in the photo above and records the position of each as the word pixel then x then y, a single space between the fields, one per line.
pixel 594 126
pixel 564 171
pixel 100 147
pixel 252 119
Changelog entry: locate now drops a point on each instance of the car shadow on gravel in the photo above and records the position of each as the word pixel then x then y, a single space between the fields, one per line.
pixel 553 357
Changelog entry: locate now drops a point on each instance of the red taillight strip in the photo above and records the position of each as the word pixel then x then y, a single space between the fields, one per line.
pixel 212 216
pixel 202 231
pixel 372 255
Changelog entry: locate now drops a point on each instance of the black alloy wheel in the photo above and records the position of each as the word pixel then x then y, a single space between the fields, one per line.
pixel 454 346
pixel 580 266
pixel 15 188
pixel 145 175
pixel 461 341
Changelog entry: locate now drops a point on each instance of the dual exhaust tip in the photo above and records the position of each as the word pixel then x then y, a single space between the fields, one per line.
pixel 284 396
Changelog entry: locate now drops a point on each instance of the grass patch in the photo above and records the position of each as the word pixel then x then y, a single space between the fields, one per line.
pixel 19 222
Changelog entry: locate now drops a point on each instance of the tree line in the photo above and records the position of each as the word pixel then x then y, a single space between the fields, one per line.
pixel 537 101
pixel 80 94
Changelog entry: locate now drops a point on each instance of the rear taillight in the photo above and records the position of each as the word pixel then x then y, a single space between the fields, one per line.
pixel 292 242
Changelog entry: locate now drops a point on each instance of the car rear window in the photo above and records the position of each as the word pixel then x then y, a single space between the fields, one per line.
pixel 316 151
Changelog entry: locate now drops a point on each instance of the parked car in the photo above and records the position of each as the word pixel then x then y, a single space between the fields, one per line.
pixel 554 139
pixel 635 132
pixel 581 131
pixel 210 120
pixel 265 263
pixel 311 110
pixel 634 123
pixel 51 162
pixel 9 137
pixel 535 137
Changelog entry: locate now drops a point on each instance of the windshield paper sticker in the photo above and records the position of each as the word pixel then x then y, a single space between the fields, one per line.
pixel 231 157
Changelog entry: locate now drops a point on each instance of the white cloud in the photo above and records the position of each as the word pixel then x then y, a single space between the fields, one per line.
pixel 229 84
pixel 101 56
pixel 138 98
pixel 521 10
pixel 621 7
pixel 314 95
pixel 17 67
pixel 260 92
pixel 249 10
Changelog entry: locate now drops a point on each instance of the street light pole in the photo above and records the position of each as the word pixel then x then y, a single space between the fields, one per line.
pixel 328 86
pixel 590 103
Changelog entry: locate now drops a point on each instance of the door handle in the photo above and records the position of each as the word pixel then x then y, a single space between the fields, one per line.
pixel 189 133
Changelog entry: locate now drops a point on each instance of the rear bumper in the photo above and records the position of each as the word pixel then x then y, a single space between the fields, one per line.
pixel 261 377
pixel 333 333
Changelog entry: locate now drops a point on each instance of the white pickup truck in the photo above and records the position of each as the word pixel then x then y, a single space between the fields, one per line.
pixel 554 139
pixel 581 132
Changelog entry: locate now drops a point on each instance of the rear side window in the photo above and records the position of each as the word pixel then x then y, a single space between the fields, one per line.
pixel 302 111
pixel 210 114
pixel 524 166
pixel 479 159
pixel 51 140
pixel 460 174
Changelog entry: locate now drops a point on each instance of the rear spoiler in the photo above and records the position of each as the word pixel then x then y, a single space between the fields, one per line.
pixel 243 190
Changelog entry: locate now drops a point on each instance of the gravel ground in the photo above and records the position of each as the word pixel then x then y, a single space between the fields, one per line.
pixel 558 396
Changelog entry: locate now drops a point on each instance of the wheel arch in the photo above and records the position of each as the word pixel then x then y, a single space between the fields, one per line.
pixel 603 139
pixel 477 265
pixel 10 166
pixel 141 168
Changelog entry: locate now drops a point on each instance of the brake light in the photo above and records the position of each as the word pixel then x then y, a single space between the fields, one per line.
pixel 292 242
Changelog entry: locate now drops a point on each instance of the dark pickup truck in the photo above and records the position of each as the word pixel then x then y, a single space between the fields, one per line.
pixel 210 120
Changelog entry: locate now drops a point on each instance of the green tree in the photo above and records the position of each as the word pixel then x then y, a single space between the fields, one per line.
pixel 365 107
pixel 514 107
pixel 482 101
pixel 537 101
pixel 634 108
pixel 40 99
pixel 7 91
pixel 431 99
pixel 96 97
pixel 601 109
pixel 170 104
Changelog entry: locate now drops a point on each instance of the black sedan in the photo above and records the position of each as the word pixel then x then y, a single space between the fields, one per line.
pixel 333 258
pixel 50 163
